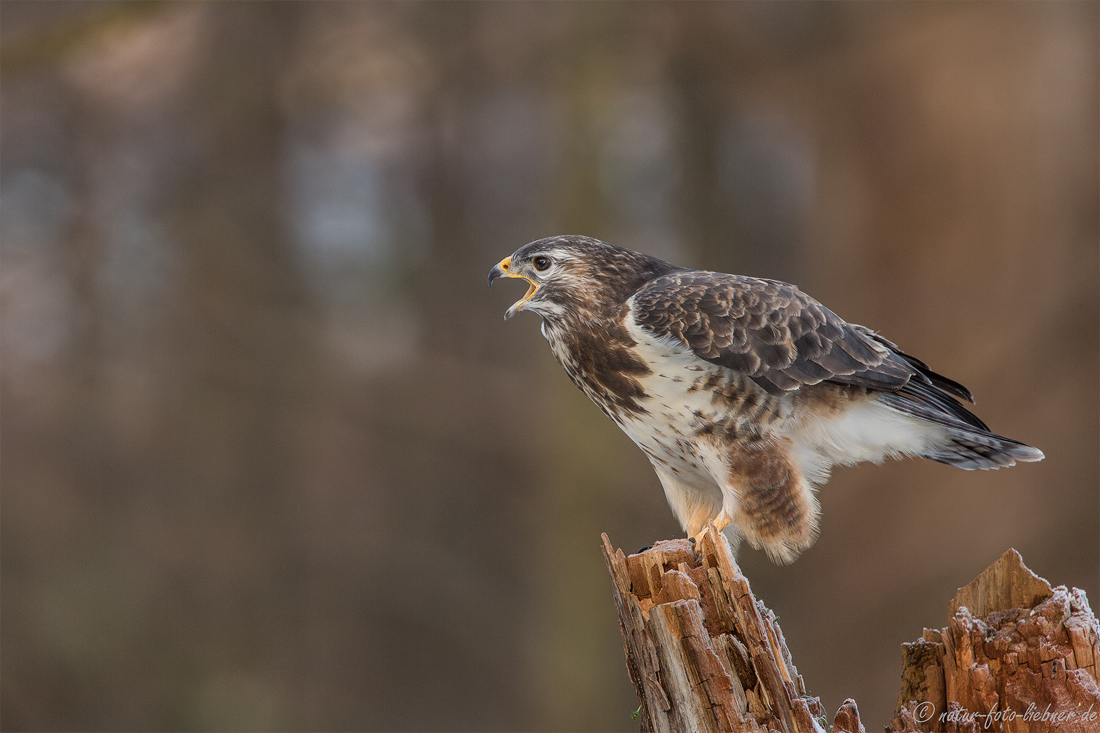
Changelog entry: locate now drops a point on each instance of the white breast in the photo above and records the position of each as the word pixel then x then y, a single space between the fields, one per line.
pixel 678 407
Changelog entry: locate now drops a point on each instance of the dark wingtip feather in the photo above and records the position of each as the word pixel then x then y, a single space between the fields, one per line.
pixel 929 393
pixel 950 386
pixel 945 383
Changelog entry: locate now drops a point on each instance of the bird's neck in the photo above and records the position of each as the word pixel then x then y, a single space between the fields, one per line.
pixel 598 356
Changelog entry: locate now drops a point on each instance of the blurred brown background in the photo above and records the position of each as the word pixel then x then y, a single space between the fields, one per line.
pixel 248 353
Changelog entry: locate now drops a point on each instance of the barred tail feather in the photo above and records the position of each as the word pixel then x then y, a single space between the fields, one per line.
pixel 972 450
pixel 965 446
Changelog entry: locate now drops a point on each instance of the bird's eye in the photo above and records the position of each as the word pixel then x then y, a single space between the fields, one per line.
pixel 542 264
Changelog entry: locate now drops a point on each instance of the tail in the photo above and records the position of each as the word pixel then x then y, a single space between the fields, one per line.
pixel 933 397
pixel 969 443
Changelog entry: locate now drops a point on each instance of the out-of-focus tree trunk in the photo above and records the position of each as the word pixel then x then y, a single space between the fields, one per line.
pixel 241 317
pixel 244 351
pixel 573 663
pixel 705 655
pixel 700 68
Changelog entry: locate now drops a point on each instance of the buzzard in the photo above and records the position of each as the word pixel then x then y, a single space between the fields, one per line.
pixel 743 392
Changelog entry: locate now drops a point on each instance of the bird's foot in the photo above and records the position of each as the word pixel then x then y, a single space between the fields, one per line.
pixel 720 522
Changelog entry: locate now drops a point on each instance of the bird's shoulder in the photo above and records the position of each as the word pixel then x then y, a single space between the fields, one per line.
pixel 720 294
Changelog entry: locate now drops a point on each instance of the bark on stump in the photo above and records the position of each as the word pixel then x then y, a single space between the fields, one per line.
pixel 705 655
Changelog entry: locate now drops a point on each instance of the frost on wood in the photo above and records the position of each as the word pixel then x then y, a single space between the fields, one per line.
pixel 703 654
pixel 1017 655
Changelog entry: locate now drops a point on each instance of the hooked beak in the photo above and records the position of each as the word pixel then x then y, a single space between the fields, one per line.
pixel 503 269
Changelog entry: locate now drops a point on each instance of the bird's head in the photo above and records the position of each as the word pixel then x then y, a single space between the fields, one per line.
pixel 574 275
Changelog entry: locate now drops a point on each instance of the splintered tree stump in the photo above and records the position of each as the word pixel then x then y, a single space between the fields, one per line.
pixel 1016 655
pixel 704 655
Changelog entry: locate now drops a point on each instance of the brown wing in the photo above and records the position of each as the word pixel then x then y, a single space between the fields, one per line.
pixel 768 330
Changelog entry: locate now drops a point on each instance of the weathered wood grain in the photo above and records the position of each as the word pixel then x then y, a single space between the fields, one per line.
pixel 1014 649
pixel 702 652
pixel 705 655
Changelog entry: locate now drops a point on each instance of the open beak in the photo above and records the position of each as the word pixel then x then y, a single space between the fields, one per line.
pixel 503 269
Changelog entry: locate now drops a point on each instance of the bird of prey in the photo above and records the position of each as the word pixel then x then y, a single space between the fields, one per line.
pixel 743 392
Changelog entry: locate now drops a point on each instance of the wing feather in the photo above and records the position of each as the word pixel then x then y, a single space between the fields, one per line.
pixel 947 385
pixel 771 331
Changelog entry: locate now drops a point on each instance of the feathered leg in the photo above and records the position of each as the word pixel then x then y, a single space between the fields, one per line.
pixel 767 499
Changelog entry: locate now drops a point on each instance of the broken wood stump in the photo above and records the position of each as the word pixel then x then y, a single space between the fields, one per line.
pixel 704 655
pixel 1017 655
